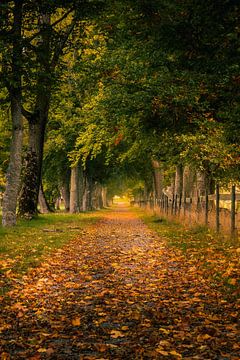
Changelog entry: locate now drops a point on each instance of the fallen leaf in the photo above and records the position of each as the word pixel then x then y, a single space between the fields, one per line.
pixel 174 353
pixel 162 352
pixel 116 334
pixel 232 281
pixel 76 321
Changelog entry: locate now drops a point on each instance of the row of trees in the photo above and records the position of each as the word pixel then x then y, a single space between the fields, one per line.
pixel 113 88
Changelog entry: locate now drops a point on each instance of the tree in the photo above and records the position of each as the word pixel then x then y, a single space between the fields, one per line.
pixel 41 33
pixel 14 85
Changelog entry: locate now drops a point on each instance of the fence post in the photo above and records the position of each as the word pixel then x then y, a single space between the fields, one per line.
pixel 173 202
pixel 184 205
pixel 233 209
pixel 176 204
pixel 217 208
pixel 166 198
pixel 180 204
pixel 206 206
pixel 190 211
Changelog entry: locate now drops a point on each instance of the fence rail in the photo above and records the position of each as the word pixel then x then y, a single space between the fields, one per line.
pixel 206 210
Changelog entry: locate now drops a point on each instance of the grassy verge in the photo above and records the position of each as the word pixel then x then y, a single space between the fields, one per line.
pixel 24 246
pixel 215 257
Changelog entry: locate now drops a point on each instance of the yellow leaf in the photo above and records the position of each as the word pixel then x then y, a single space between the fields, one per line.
pixel 203 337
pixel 164 331
pixel 116 334
pixel 162 352
pixel 164 343
pixel 174 353
pixel 76 322
pixel 232 281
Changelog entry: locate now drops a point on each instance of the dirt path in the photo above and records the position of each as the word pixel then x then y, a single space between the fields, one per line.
pixel 117 292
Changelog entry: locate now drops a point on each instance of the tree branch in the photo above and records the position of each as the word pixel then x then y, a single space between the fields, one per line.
pixel 63 17
pixel 52 25
pixel 61 44
pixel 27 114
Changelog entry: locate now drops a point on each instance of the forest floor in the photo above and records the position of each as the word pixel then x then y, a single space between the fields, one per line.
pixel 118 290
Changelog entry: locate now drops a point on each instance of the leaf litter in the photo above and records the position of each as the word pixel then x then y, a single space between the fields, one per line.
pixel 118 291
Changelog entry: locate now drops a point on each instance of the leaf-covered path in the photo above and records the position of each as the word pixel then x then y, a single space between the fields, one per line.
pixel 117 292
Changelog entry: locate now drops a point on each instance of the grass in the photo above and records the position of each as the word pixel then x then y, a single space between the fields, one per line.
pixel 176 233
pixel 24 246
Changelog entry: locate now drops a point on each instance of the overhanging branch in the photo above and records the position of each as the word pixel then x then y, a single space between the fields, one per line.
pixel 52 25
pixel 61 44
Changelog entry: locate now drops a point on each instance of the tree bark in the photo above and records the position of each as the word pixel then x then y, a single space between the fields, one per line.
pixel 65 193
pixel 15 163
pixel 188 182
pixel 178 186
pixel 217 207
pixel 37 123
pixel 14 169
pixel 158 179
pixel 104 196
pixel 233 211
pixel 74 190
pixel 44 207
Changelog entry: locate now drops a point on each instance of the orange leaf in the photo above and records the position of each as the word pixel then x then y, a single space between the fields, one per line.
pixel 232 281
pixel 5 356
pixel 76 322
pixel 174 353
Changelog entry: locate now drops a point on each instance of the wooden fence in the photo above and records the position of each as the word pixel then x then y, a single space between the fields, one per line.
pixel 209 210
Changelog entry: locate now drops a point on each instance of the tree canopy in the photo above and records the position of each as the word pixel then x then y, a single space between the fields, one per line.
pixel 130 82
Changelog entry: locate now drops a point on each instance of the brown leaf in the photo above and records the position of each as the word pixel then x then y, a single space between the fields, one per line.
pixel 101 347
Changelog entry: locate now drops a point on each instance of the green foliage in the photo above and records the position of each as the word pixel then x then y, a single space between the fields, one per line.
pixel 147 79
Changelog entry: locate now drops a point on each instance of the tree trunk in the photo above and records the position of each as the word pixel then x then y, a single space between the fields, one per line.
pixel 15 163
pixel 97 201
pixel 104 196
pixel 87 199
pixel 100 198
pixel 90 192
pixel 65 193
pixel 201 183
pixel 85 194
pixel 188 182
pixel 14 168
pixel 37 123
pixel 44 207
pixel 158 179
pixel 74 190
pixel 58 203
pixel 28 197
pixel 217 207
pixel 178 186
pixel 233 211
